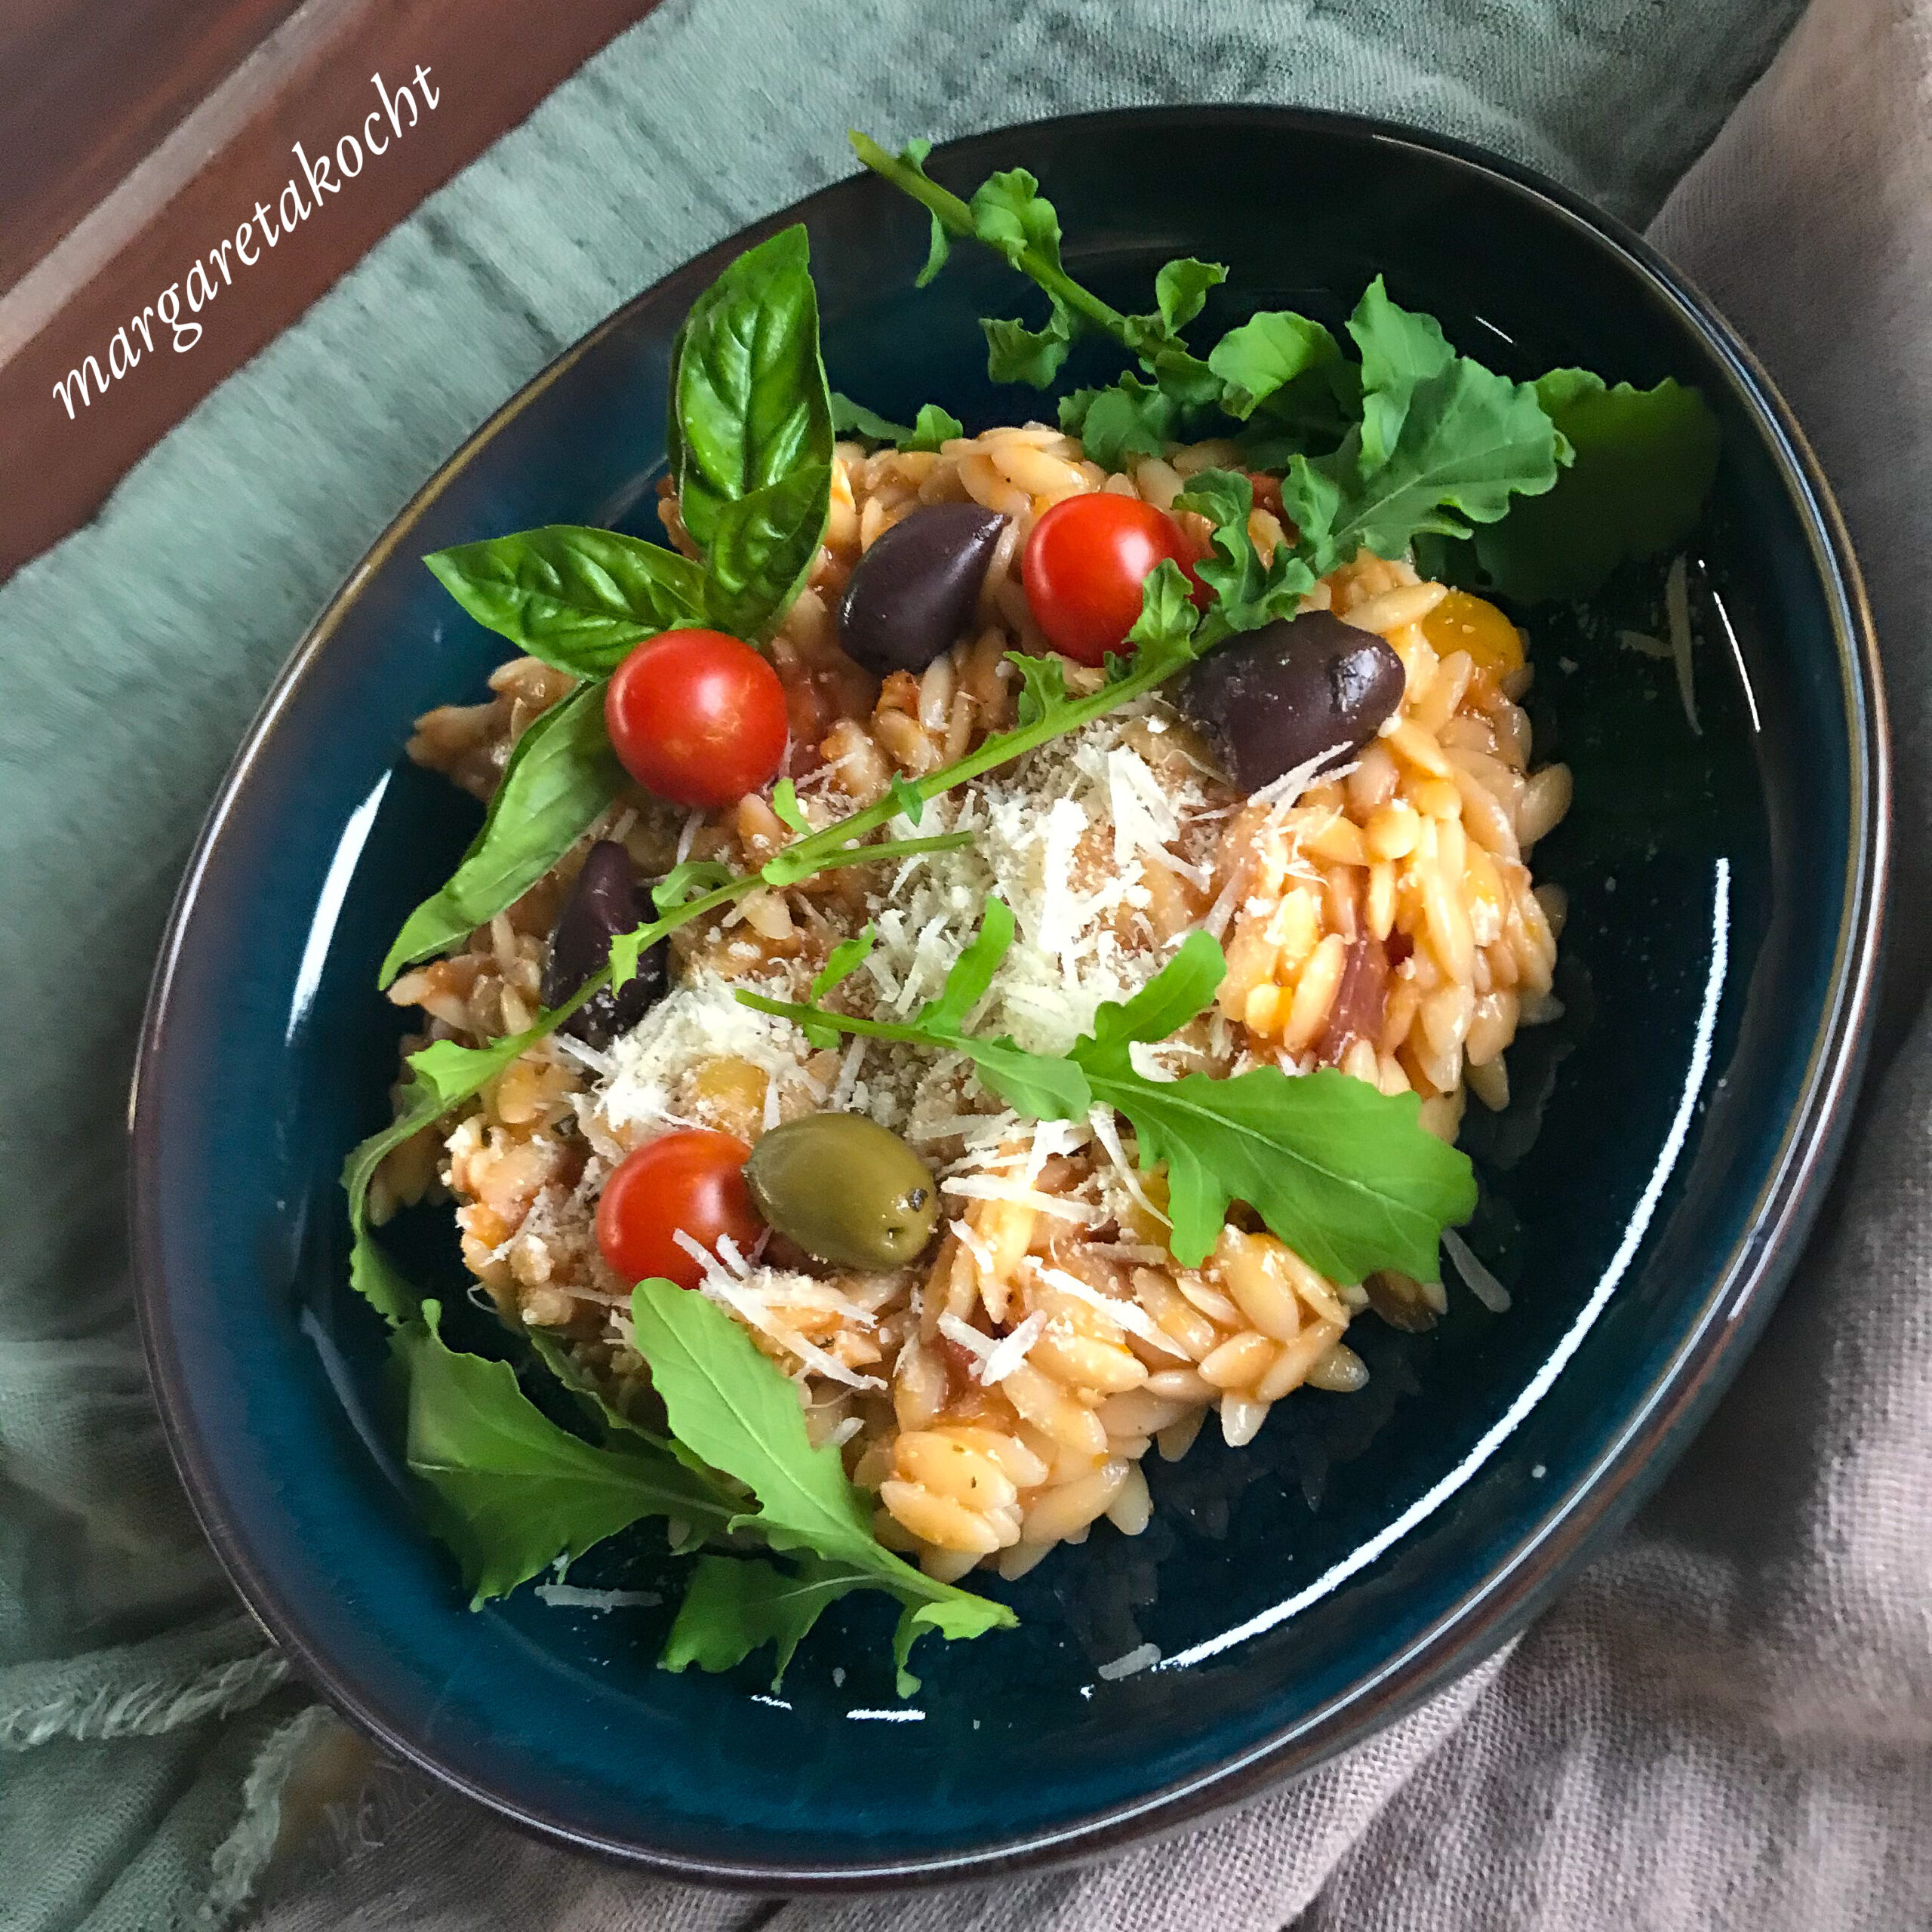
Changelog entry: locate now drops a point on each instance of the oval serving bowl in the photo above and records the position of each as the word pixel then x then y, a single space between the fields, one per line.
pixel 1645 1194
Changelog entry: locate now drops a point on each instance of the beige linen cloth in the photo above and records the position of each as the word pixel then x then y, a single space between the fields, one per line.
pixel 1727 1721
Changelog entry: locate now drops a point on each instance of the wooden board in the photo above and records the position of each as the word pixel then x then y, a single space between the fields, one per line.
pixel 488 62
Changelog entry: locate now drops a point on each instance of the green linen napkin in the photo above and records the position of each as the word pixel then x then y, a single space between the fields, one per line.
pixel 145 1729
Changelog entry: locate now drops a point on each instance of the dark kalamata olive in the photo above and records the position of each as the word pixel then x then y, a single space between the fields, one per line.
pixel 912 593
pixel 845 1189
pixel 605 900
pixel 1283 694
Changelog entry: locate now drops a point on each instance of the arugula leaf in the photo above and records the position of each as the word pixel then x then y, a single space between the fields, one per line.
pixel 1128 419
pixel 845 959
pixel 734 1407
pixel 1469 441
pixel 561 774
pixel 913 158
pixel 796 862
pixel 905 795
pixel 1180 290
pixel 1645 460
pixel 786 808
pixel 442 1075
pixel 1040 1084
pixel 851 418
pixel 1287 373
pixel 1012 217
pixel 1400 350
pixel 577 598
pixel 932 427
pixel 733 1606
pixel 763 546
pixel 971 977
pixel 1248 593
pixel 748 393
pixel 1168 631
pixel 1017 354
pixel 689 881
pixel 508 1491
pixel 1341 1172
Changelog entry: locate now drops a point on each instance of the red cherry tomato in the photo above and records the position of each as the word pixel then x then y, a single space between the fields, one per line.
pixel 697 717
pixel 691 1181
pixel 1085 563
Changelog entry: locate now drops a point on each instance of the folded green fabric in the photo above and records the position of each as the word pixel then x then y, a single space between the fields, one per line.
pixel 134 1700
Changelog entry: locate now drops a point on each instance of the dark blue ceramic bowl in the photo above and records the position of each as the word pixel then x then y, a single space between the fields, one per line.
pixel 1645 1196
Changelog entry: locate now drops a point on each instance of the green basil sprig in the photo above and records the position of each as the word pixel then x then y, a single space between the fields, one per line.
pixel 576 596
pixel 561 776
pixel 748 389
pixel 752 441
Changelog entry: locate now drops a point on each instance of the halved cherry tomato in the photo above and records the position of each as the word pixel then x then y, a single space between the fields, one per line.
pixel 1085 563
pixel 697 717
pixel 691 1182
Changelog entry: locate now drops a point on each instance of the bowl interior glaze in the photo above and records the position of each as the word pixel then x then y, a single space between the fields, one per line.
pixel 1642 1197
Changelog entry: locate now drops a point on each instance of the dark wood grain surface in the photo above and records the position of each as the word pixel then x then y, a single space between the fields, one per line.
pixel 305 78
pixel 91 89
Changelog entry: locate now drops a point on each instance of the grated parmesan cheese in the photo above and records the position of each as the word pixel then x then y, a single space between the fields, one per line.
pixel 977 1187
pixel 1011 1350
pixel 699 1020
pixel 1129 1315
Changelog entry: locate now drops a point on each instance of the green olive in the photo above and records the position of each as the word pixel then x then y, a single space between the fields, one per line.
pixel 845 1189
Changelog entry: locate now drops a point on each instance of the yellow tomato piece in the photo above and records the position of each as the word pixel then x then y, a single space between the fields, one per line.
pixel 1464 622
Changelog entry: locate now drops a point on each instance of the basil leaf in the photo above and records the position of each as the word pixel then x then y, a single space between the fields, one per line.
pixel 763 546
pixel 507 1490
pixel 735 1606
pixel 749 395
pixel 578 598
pixel 736 1409
pixel 1645 460
pixel 561 774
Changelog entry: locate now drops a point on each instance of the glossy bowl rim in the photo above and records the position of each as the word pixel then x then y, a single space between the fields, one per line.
pixel 1659 1420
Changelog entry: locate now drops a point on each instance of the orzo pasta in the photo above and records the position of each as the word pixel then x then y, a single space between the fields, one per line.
pixel 981 944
